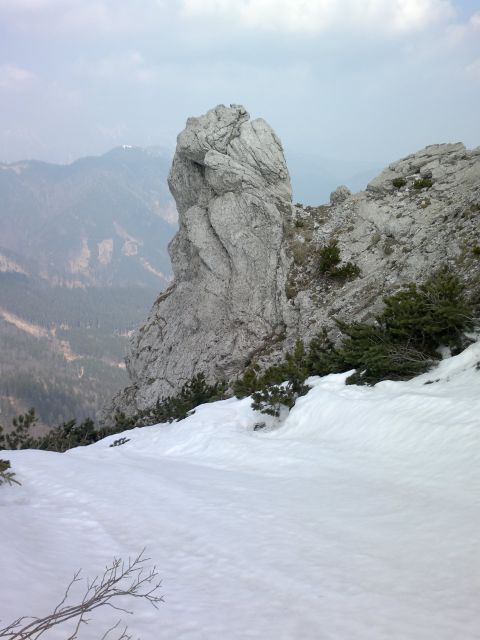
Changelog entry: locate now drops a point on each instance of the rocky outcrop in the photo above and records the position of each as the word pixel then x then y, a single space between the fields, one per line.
pixel 418 214
pixel 245 259
pixel 232 189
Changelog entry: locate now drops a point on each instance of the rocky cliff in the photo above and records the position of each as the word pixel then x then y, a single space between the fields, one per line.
pixel 246 261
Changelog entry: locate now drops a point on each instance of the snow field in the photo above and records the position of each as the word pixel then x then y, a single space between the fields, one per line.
pixel 357 518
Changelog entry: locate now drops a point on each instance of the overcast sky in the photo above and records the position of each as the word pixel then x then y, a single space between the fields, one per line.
pixel 369 80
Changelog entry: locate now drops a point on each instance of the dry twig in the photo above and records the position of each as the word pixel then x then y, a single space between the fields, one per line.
pixel 121 578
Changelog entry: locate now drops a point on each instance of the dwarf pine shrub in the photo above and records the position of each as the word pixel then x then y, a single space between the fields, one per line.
pixel 370 350
pixel 19 436
pixel 60 438
pixel 71 434
pixel 277 386
pixel 403 341
pixel 7 476
pixel 194 392
pixel 329 263
pixel 272 398
pixel 345 271
pixel 423 183
pixel 328 257
pixel 400 343
pixel 436 313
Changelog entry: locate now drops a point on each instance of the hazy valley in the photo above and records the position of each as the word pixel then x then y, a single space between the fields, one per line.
pixel 83 254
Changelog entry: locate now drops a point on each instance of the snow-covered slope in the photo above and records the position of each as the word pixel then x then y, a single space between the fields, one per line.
pixel 358 518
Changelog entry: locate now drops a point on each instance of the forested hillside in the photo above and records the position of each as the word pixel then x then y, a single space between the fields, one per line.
pixel 100 221
pixel 83 255
pixel 62 349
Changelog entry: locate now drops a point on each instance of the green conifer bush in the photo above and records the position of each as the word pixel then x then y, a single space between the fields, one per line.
pixel 277 386
pixel 436 313
pixel 370 350
pixel 403 341
pixel 400 343
pixel 19 437
pixel 423 183
pixel 328 257
pixel 345 271
pixel 329 263
pixel 61 438
pixel 193 393
pixel 70 434
pixel 7 476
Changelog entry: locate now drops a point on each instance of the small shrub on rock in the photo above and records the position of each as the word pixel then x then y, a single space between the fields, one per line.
pixel 346 271
pixel 329 264
pixel 329 257
pixel 398 183
pixel 423 183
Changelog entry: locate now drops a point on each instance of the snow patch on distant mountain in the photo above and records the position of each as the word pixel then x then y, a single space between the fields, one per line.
pixel 7 265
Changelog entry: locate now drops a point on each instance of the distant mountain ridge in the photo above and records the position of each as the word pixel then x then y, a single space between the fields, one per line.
pixel 83 255
pixel 100 221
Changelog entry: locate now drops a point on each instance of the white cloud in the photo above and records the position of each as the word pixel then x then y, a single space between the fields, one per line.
pixel 315 16
pixel 13 75
pixel 26 5
pixel 474 21
pixel 129 66
pixel 322 15
pixel 110 17
pixel 466 34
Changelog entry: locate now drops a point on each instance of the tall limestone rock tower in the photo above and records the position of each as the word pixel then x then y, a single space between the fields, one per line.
pixel 246 261
pixel 231 185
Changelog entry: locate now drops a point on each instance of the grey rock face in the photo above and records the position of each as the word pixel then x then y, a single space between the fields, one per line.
pixel 232 188
pixel 394 234
pixel 245 260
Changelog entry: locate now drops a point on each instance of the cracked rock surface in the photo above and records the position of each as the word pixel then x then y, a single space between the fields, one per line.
pixel 420 213
pixel 232 187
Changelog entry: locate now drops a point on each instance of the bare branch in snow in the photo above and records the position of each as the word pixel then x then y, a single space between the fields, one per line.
pixel 120 579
